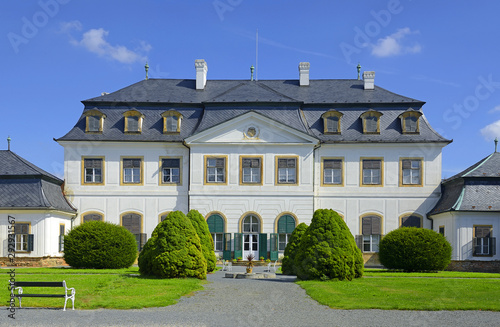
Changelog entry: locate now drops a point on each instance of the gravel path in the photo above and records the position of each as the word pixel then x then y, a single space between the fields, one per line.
pixel 243 302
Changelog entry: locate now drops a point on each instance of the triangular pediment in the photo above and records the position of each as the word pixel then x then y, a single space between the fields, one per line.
pixel 251 127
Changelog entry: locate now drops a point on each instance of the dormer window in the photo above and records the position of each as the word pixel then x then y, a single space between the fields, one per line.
pixel 133 121
pixel 371 122
pixel 171 121
pixel 94 121
pixel 410 121
pixel 331 122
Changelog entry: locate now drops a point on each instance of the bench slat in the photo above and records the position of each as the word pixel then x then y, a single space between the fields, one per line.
pixel 40 295
pixel 39 284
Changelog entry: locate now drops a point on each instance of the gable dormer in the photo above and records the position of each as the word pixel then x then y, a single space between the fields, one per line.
pixel 94 121
pixel 133 121
pixel 410 121
pixel 371 121
pixel 331 121
pixel 171 121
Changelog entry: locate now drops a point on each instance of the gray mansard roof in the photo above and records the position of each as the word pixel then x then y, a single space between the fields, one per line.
pixel 299 107
pixel 475 189
pixel 25 186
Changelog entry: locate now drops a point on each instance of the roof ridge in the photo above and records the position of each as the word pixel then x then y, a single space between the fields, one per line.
pixel 264 86
pixel 37 170
pixel 481 163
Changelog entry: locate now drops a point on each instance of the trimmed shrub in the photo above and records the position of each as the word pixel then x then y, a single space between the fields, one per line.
pixel 414 249
pixel 287 263
pixel 327 250
pixel 174 250
pixel 207 243
pixel 100 245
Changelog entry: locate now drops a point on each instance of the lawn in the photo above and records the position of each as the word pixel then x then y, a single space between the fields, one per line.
pixel 386 290
pixel 107 288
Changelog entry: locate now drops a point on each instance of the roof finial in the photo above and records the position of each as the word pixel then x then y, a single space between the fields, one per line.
pixel 8 143
pixel 147 69
pixel 251 72
pixel 359 70
pixel 496 143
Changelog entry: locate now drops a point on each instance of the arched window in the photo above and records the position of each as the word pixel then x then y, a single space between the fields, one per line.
pixel 164 215
pixel 94 121
pixel 371 231
pixel 171 121
pixel 286 225
pixel 216 226
pixel 251 224
pixel 92 216
pixel 331 122
pixel 410 121
pixel 371 121
pixel 133 121
pixel 411 221
pixel 133 223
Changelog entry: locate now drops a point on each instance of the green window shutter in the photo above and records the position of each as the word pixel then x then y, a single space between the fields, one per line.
pixel 226 253
pixel 238 242
pixel 476 248
pixel 273 247
pixel 493 246
pixel 30 242
pixel 286 224
pixel 215 224
pixel 262 245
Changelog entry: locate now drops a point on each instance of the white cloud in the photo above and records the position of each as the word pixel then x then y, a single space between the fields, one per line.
pixel 94 40
pixel 497 108
pixel 491 131
pixel 395 44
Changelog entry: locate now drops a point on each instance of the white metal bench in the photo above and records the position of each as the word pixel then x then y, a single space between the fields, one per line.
pixel 271 266
pixel 227 265
pixel 20 292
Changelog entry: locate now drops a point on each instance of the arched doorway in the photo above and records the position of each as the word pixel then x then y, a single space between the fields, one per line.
pixel 251 229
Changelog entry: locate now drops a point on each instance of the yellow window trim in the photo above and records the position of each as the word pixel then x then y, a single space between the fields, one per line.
pixel 170 113
pixel 276 174
pixel 332 113
pixel 122 175
pixel 261 169
pixel 240 223
pixel 132 212
pixel 163 214
pixel 94 112
pixel 220 214
pixel 371 113
pixel 133 113
pixel 64 225
pixel 83 170
pixel 90 213
pixel 421 172
pixel 409 215
pixel 381 172
pixel 323 172
pixel 371 214
pixel 406 114
pixel 488 226
pixel 29 232
pixel 160 171
pixel 283 214
pixel 205 176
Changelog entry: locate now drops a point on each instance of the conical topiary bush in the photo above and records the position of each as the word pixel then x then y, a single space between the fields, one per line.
pixel 207 243
pixel 287 263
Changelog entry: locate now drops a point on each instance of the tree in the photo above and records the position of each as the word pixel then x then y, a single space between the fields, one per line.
pixel 207 243
pixel 97 244
pixel 327 250
pixel 415 249
pixel 287 263
pixel 174 250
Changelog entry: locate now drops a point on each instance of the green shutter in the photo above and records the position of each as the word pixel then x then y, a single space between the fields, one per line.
pixel 273 247
pixel 226 253
pixel 286 224
pixel 263 245
pixel 238 242
pixel 30 242
pixel 215 224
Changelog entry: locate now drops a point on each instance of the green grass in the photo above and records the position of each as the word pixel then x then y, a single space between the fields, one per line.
pixel 410 291
pixel 117 289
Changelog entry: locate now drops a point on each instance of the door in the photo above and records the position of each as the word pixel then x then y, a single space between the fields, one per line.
pixel 251 245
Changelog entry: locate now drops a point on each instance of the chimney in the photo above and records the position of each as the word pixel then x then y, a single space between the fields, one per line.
pixel 304 73
pixel 201 73
pixel 369 79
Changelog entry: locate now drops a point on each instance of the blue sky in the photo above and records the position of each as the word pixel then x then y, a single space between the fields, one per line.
pixel 56 53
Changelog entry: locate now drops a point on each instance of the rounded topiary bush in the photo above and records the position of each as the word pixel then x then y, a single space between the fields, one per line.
pixel 174 250
pixel 414 249
pixel 97 244
pixel 207 243
pixel 327 250
pixel 287 263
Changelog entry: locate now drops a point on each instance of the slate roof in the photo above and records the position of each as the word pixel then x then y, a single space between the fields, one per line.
pixel 299 107
pixel 477 188
pixel 24 185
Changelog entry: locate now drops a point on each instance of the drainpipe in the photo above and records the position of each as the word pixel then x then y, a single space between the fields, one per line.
pixel 317 146
pixel 189 173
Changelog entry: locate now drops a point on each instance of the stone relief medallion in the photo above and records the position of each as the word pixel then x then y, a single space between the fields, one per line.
pixel 251 132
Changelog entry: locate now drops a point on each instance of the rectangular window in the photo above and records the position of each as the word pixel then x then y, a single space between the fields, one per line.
pixel 218 241
pixel 251 170
pixel 132 171
pixel 171 170
pixel 62 228
pixel 371 124
pixel 216 170
pixel 287 170
pixel 370 243
pixel 132 123
pixel 93 170
pixel 283 241
pixel 172 123
pixel 22 237
pixel 411 171
pixel 94 123
pixel 411 124
pixel 483 243
pixel 441 230
pixel 332 171
pixel 332 124
pixel 372 172
pixel 371 230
